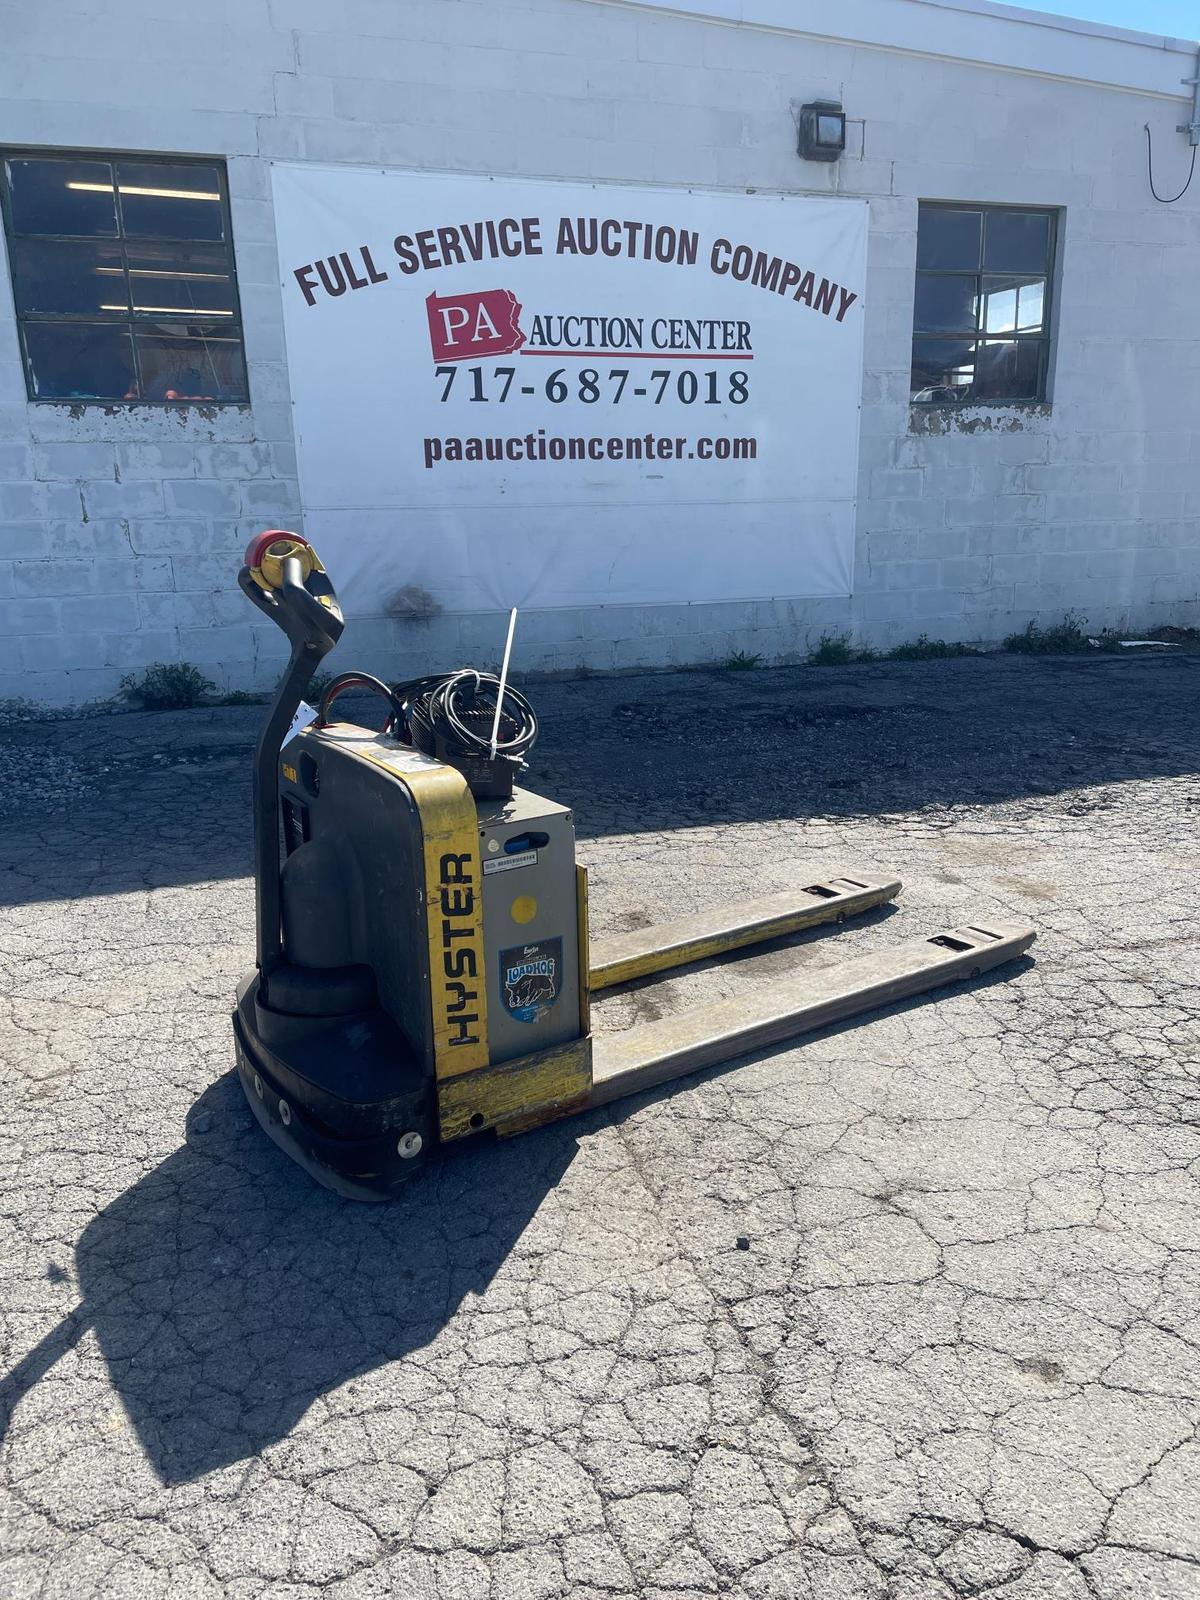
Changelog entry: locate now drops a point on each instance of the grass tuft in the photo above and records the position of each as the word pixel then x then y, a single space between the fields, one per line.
pixel 167 686
pixel 923 648
pixel 835 650
pixel 1060 638
pixel 741 661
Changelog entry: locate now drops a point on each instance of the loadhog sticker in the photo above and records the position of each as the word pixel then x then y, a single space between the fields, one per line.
pixel 558 394
pixel 531 978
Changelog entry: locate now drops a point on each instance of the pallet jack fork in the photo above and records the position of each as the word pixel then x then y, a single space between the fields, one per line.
pixel 424 968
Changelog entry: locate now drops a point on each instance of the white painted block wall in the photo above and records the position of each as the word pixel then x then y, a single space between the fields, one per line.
pixel 121 528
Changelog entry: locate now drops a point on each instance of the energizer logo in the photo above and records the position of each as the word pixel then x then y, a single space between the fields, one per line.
pixel 458 959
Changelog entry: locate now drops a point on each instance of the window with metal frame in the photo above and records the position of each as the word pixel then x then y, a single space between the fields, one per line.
pixel 981 315
pixel 123 278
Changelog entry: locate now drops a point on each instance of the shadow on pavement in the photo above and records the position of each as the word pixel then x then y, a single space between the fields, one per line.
pixel 139 802
pixel 228 1291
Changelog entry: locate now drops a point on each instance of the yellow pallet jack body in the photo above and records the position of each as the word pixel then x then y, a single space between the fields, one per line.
pixel 425 968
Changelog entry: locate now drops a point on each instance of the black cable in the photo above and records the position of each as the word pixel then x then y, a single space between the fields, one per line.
pixel 360 680
pixel 1162 199
pixel 455 711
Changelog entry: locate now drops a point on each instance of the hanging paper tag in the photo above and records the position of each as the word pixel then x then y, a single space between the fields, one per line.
pixel 304 715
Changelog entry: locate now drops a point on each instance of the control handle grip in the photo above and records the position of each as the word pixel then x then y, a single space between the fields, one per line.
pixel 283 576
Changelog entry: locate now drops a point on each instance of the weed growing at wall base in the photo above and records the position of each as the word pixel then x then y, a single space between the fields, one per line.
pixel 835 650
pixel 923 648
pixel 1060 638
pixel 167 686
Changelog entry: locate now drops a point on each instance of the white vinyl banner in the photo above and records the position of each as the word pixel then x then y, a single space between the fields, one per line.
pixel 539 393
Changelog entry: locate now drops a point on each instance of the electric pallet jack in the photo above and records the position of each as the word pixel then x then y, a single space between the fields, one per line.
pixel 424 968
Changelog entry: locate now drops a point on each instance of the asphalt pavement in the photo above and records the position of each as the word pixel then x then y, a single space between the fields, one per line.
pixel 908 1310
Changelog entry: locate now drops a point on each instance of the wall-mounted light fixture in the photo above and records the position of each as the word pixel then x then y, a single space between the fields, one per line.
pixel 822 130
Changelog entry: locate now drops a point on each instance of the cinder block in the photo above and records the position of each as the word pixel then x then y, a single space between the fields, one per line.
pixel 304 95
pixel 114 613
pixel 1057 479
pixel 253 220
pixel 339 141
pixel 75 461
pixel 16 461
pixel 257 264
pixel 52 577
pixel 283 460
pixel 158 611
pixel 270 383
pixel 45 652
pixel 155 461
pixel 1019 508
pixel 1113 567
pixel 1029 444
pixel 138 498
pixel 64 502
pixel 133 652
pixel 1088 536
pixel 911 607
pixel 1123 507
pixel 271 497
pixel 981 603
pixel 1160 504
pixel 176 536
pixel 951 482
pixel 210 497
pixel 225 461
pixel 882 548
pixel 913 574
pixel 1162 446
pixel 966 573
pixel 1157 563
pixel 669 39
pixel 1071 507
pixel 937 543
pixel 194 570
pixel 87 539
pixel 23 539
pixel 211 646
pixel 1159 474
pixel 134 575
pixel 20 616
pixel 971 513
pixel 21 502
pixel 249 176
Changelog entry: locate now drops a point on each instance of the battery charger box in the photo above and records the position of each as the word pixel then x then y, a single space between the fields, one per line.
pixel 530 923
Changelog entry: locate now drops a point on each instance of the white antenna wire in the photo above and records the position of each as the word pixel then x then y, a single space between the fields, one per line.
pixel 512 626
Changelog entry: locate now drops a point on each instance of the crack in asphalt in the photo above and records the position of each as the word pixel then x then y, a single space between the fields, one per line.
pixel 959 1354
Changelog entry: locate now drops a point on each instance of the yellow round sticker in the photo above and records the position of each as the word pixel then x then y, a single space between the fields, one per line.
pixel 524 908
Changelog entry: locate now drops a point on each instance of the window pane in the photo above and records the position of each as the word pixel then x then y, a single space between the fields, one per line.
pixel 191 361
pixel 1017 241
pixel 1008 370
pixel 945 304
pixel 177 278
pixel 74 197
pixel 948 239
pixel 160 200
pixel 1013 305
pixel 942 369
pixel 68 275
pixel 79 361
